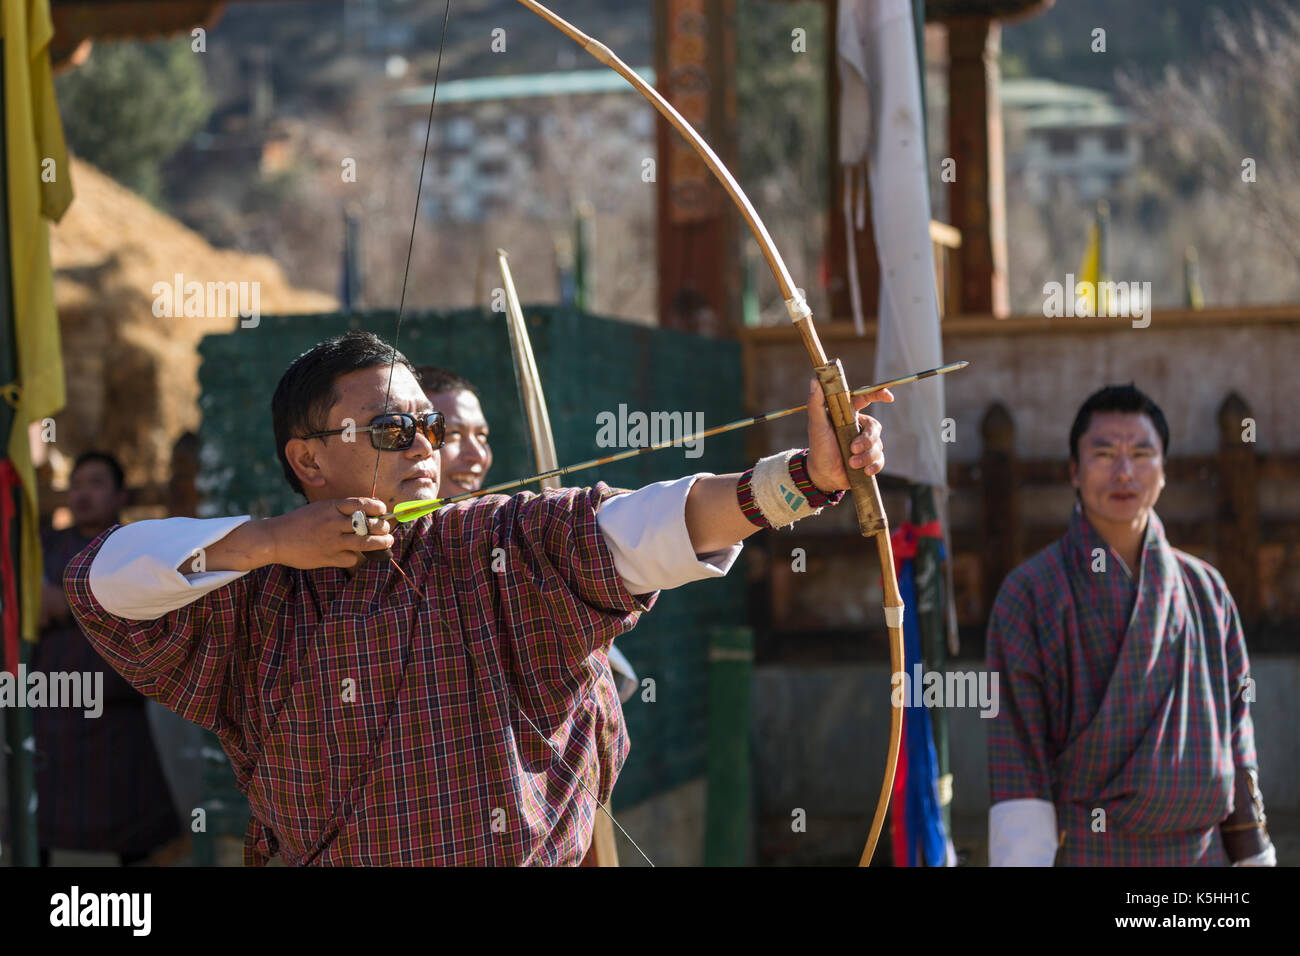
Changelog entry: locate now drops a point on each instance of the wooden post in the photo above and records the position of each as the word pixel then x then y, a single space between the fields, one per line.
pixel 865 239
pixel 694 59
pixel 728 838
pixel 977 200
pixel 603 850
pixel 1237 527
pixel 1001 497
pixel 182 486
pixel 946 243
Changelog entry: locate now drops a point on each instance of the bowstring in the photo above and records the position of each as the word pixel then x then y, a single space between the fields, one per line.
pixel 388 391
pixel 410 245
pixel 555 752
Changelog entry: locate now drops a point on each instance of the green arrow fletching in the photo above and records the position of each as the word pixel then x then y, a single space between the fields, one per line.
pixel 409 511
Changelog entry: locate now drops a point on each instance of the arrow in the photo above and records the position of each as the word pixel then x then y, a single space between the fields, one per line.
pixel 409 511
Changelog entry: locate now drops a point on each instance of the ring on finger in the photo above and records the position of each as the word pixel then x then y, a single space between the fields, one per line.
pixel 360 523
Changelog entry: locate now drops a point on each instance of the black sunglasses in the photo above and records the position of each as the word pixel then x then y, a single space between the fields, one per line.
pixel 395 431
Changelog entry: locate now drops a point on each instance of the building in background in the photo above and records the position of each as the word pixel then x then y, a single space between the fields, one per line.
pixel 495 138
pixel 1061 136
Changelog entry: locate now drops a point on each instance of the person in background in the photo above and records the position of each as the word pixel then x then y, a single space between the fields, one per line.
pixel 100 786
pixel 466 454
pixel 1124 737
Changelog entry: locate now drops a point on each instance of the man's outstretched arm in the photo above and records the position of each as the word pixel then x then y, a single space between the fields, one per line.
pixel 714 517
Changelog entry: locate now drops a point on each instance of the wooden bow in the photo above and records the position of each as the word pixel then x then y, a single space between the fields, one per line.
pixel 528 379
pixel 872 521
pixel 603 851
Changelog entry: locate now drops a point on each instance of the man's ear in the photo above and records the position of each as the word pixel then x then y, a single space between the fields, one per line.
pixel 302 459
pixel 1074 473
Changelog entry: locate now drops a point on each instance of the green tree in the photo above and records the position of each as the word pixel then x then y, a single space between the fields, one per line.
pixel 131 106
pixel 1220 165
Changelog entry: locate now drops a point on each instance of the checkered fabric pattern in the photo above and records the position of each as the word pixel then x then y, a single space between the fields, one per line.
pixel 1121 700
pixel 371 723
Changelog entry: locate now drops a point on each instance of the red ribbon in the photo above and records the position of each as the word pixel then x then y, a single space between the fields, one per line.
pixel 9 480
pixel 905 538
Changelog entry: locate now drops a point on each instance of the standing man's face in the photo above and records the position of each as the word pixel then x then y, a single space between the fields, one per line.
pixel 94 498
pixel 1120 470
pixel 335 468
pixel 466 455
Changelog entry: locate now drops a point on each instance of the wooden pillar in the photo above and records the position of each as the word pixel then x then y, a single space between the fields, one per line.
pixel 603 850
pixel 699 275
pixel 864 239
pixel 1238 510
pixel 977 198
pixel 182 487
pixel 1001 501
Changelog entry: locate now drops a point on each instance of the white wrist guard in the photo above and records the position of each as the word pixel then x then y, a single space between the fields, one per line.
pixel 775 493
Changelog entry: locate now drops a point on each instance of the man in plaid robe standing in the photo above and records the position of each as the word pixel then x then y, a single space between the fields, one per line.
pixel 442 706
pixel 1124 735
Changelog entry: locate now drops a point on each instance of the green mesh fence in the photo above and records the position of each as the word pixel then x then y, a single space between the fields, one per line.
pixel 587 365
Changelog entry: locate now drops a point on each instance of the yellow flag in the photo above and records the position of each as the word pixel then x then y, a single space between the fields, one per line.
pixel 1090 271
pixel 39 190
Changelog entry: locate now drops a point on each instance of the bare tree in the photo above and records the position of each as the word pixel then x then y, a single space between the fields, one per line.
pixel 1222 165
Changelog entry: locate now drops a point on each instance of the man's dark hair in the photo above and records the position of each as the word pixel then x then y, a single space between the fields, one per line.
pixel 435 381
pixel 1118 398
pixel 306 392
pixel 113 465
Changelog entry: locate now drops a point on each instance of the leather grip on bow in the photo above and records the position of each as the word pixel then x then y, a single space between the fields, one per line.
pixel 866 493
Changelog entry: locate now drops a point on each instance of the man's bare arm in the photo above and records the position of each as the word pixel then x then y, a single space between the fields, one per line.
pixel 713 516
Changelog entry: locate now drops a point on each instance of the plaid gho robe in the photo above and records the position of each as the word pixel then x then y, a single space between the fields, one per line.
pixel 369 725
pixel 1120 696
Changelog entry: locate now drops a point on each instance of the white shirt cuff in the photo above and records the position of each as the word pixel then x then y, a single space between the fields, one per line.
pixel 646 533
pixel 1022 833
pixel 1266 857
pixel 134 574
pixel 625 679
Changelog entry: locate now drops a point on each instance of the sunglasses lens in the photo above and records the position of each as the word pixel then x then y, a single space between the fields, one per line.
pixel 392 432
pixel 435 428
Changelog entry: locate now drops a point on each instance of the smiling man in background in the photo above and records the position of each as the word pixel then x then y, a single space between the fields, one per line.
pixel 1124 736
pixel 465 454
